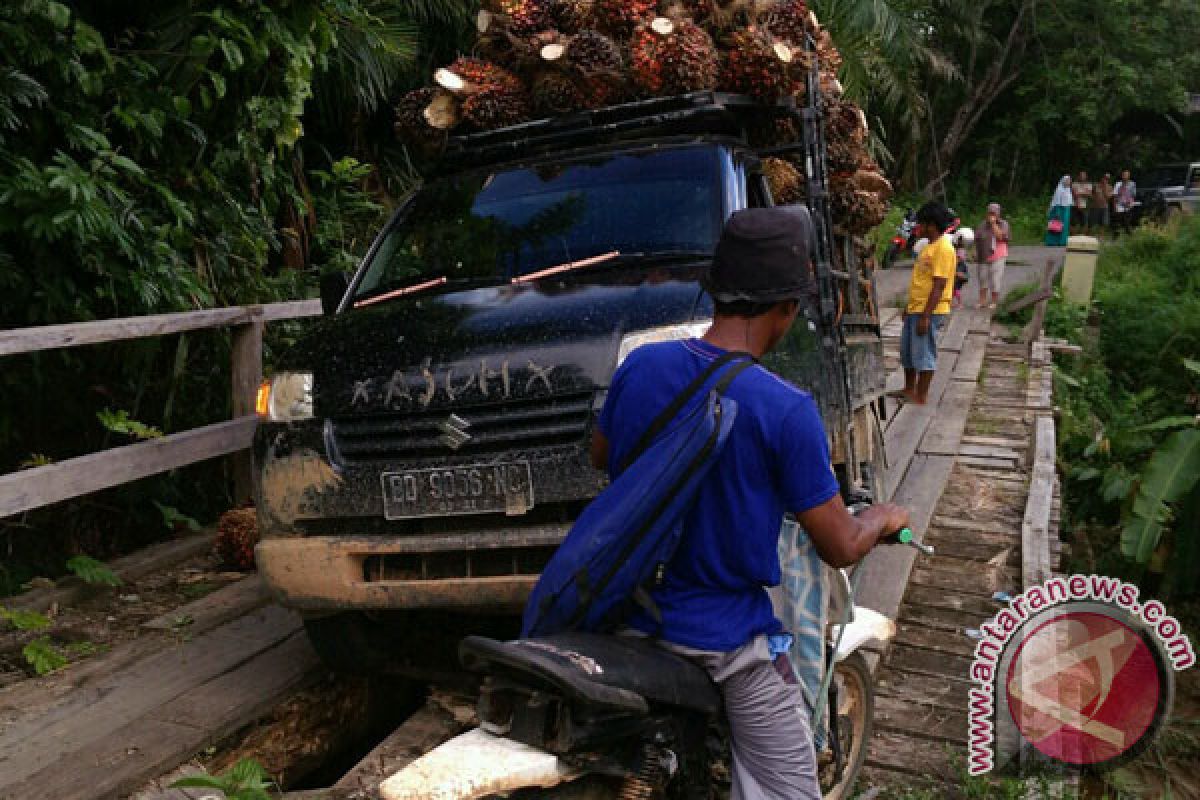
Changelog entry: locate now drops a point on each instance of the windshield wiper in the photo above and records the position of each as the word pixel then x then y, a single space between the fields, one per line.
pixel 616 257
pixel 425 286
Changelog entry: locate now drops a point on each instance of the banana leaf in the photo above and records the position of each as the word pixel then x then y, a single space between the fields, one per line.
pixel 1170 474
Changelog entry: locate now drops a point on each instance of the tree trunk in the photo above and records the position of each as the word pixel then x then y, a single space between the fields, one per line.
pixel 1000 74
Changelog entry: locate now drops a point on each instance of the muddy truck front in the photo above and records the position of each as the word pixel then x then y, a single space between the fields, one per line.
pixel 425 447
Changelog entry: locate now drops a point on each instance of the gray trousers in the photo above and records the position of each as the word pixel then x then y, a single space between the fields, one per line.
pixel 772 746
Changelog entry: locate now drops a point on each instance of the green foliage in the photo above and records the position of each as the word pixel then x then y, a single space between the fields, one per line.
pixel 119 422
pixel 24 620
pixel 93 572
pixel 245 780
pixel 43 656
pixel 173 518
pixel 1171 473
pixel 1128 425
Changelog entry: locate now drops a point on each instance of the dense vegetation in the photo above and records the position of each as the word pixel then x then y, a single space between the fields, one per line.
pixel 1129 431
pixel 181 154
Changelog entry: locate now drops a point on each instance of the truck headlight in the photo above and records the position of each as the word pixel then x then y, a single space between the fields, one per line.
pixel 286 397
pixel 667 333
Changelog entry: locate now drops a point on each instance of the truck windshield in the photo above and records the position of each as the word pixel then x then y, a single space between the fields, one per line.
pixel 487 228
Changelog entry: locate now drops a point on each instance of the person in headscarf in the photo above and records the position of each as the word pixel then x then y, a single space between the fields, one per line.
pixel 1058 222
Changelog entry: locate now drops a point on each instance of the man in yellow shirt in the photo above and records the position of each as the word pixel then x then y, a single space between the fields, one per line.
pixel 929 296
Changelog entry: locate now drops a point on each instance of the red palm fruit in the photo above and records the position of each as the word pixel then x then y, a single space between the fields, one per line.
pixel 790 20
pixel 572 16
pixel 758 64
pixel 495 108
pixel 411 126
pixel 620 17
pixel 468 74
pixel 672 56
pixel 237 533
pixel 785 180
pixel 521 16
pixel 556 93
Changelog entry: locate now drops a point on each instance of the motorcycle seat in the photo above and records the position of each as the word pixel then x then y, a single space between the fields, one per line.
pixel 628 673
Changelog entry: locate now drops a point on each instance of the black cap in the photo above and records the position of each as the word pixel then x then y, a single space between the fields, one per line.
pixel 763 256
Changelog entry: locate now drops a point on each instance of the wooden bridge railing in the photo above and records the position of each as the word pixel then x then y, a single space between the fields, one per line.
pixel 41 486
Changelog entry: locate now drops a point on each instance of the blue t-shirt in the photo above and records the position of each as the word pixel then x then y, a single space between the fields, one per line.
pixel 714 596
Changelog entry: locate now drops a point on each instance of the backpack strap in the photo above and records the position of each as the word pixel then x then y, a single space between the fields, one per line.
pixel 664 418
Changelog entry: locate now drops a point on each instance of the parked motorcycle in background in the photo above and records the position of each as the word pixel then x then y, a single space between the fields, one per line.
pixel 903 240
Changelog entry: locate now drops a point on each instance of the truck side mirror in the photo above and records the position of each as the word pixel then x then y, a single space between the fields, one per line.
pixel 333 289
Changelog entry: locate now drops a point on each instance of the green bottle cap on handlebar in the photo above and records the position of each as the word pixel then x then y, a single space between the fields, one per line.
pixel 904 536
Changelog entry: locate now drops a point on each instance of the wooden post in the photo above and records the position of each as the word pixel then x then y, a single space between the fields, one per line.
pixel 1046 290
pixel 246 375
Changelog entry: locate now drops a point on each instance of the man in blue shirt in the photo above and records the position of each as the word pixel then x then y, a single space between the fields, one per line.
pixel 713 600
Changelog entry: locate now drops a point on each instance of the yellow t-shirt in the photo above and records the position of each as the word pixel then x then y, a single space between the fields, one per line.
pixel 938 260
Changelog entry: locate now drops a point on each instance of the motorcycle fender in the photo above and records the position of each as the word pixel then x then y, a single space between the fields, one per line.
pixel 473 765
pixel 868 626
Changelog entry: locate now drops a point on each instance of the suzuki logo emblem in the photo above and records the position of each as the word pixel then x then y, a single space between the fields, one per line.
pixel 454 432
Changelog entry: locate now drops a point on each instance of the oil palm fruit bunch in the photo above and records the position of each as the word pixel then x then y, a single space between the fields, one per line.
pixel 785 180
pixel 411 125
pixel 521 17
pixel 237 533
pixel 771 132
pixel 620 17
pixel 758 64
pixel 494 108
pixel 556 92
pixel 841 156
pixel 791 21
pixel 572 16
pixel 673 56
pixel 489 96
pixel 597 61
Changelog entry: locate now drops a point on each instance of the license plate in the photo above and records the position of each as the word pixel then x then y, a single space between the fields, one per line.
pixel 473 489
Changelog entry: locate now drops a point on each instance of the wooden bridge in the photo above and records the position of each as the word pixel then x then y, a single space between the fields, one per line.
pixel 976 465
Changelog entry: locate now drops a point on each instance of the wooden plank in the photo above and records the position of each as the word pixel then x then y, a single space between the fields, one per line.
pixel 953 642
pixel 886 569
pixel 128 568
pixel 74 334
pixel 887 316
pixel 217 608
pixel 990 463
pixel 981 321
pixel 42 486
pixel 923 689
pixel 982 579
pixel 115 764
pixel 956 332
pixel 1035 527
pixel 935 664
pixel 97 711
pixel 970 360
pixel 951 419
pixel 980 605
pixel 928 722
pixel 988 451
pixel 996 441
pixel 923 758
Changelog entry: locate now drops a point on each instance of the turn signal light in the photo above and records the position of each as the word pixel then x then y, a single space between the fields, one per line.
pixel 262 400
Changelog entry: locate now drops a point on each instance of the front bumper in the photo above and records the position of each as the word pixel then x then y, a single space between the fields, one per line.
pixel 491 571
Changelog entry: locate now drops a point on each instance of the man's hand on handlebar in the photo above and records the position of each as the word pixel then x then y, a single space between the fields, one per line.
pixel 842 538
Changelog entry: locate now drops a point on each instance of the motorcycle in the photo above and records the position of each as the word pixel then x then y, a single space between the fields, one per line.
pixel 903 240
pixel 583 716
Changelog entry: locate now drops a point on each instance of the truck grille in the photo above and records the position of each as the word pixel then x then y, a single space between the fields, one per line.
pixel 485 429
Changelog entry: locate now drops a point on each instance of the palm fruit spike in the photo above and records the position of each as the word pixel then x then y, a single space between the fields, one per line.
pixel 521 16
pixel 556 93
pixel 495 108
pixel 598 62
pixel 237 533
pixel 620 17
pixel 571 16
pixel 672 56
pixel 467 75
pixel 786 182
pixel 411 126
pixel 791 21
pixel 758 64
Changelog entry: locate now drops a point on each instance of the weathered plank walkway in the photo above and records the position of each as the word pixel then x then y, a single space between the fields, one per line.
pixel 984 441
pixel 107 725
